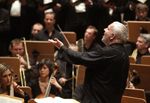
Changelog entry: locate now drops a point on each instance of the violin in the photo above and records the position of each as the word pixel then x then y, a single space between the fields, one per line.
pixel 132 76
pixel 49 84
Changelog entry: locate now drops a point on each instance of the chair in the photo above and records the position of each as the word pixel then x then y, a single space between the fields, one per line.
pixel 80 75
pixel 145 60
pixel 71 36
pixel 128 99
pixel 27 89
pixel 132 60
pixel 139 93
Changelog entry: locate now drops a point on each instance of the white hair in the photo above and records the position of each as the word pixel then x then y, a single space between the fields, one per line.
pixel 120 31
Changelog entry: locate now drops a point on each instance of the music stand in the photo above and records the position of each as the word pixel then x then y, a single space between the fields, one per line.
pixel 143 71
pixel 71 36
pixel 10 99
pixel 14 64
pixel 38 50
pixel 134 29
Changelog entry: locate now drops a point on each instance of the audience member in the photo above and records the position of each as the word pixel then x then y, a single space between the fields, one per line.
pixel 142 45
pixel 35 29
pixel 6 81
pixel 107 68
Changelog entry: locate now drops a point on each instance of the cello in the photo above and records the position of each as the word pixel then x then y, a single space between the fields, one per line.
pixel 49 85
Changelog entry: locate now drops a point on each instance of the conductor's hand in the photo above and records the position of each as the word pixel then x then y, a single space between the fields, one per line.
pixel 57 43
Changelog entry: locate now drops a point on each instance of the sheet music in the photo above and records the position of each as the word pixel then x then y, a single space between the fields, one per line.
pixel 9 100
pixel 53 100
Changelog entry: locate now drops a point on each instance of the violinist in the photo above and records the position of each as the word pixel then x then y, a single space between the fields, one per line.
pixel 40 84
pixel 6 80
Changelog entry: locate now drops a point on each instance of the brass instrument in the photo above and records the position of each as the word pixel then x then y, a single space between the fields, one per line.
pixel 80 44
pixel 22 72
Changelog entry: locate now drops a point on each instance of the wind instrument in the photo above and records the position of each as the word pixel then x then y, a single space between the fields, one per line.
pixel 22 72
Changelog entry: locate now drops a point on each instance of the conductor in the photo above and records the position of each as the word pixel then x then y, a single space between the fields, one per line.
pixel 107 68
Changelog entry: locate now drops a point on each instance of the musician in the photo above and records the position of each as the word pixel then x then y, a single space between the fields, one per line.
pixel 20 18
pixel 6 80
pixel 17 50
pixel 40 84
pixel 78 16
pixel 35 29
pixel 89 43
pixel 107 68
pixel 49 32
pixel 133 80
pixel 137 11
pixel 141 11
pixel 4 30
pixel 40 7
pixel 142 45
pixel 67 84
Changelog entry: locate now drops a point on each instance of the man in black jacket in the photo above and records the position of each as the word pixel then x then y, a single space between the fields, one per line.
pixel 4 30
pixel 107 68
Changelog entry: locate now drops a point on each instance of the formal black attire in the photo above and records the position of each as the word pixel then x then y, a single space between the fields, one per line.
pixel 77 22
pixel 39 15
pixel 139 55
pixel 4 31
pixel 26 97
pixel 128 13
pixel 21 25
pixel 77 95
pixel 68 85
pixel 106 73
pixel 34 84
pixel 44 36
pixel 94 46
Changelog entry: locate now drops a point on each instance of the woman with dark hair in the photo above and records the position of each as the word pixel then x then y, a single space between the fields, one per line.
pixel 6 81
pixel 40 84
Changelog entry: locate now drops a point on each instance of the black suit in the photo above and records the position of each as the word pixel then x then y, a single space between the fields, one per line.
pixel 4 31
pixel 77 22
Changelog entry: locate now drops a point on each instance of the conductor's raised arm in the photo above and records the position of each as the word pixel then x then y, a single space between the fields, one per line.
pixel 56 42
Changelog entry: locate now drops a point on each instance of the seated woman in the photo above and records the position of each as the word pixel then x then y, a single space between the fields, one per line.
pixel 40 84
pixel 6 81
